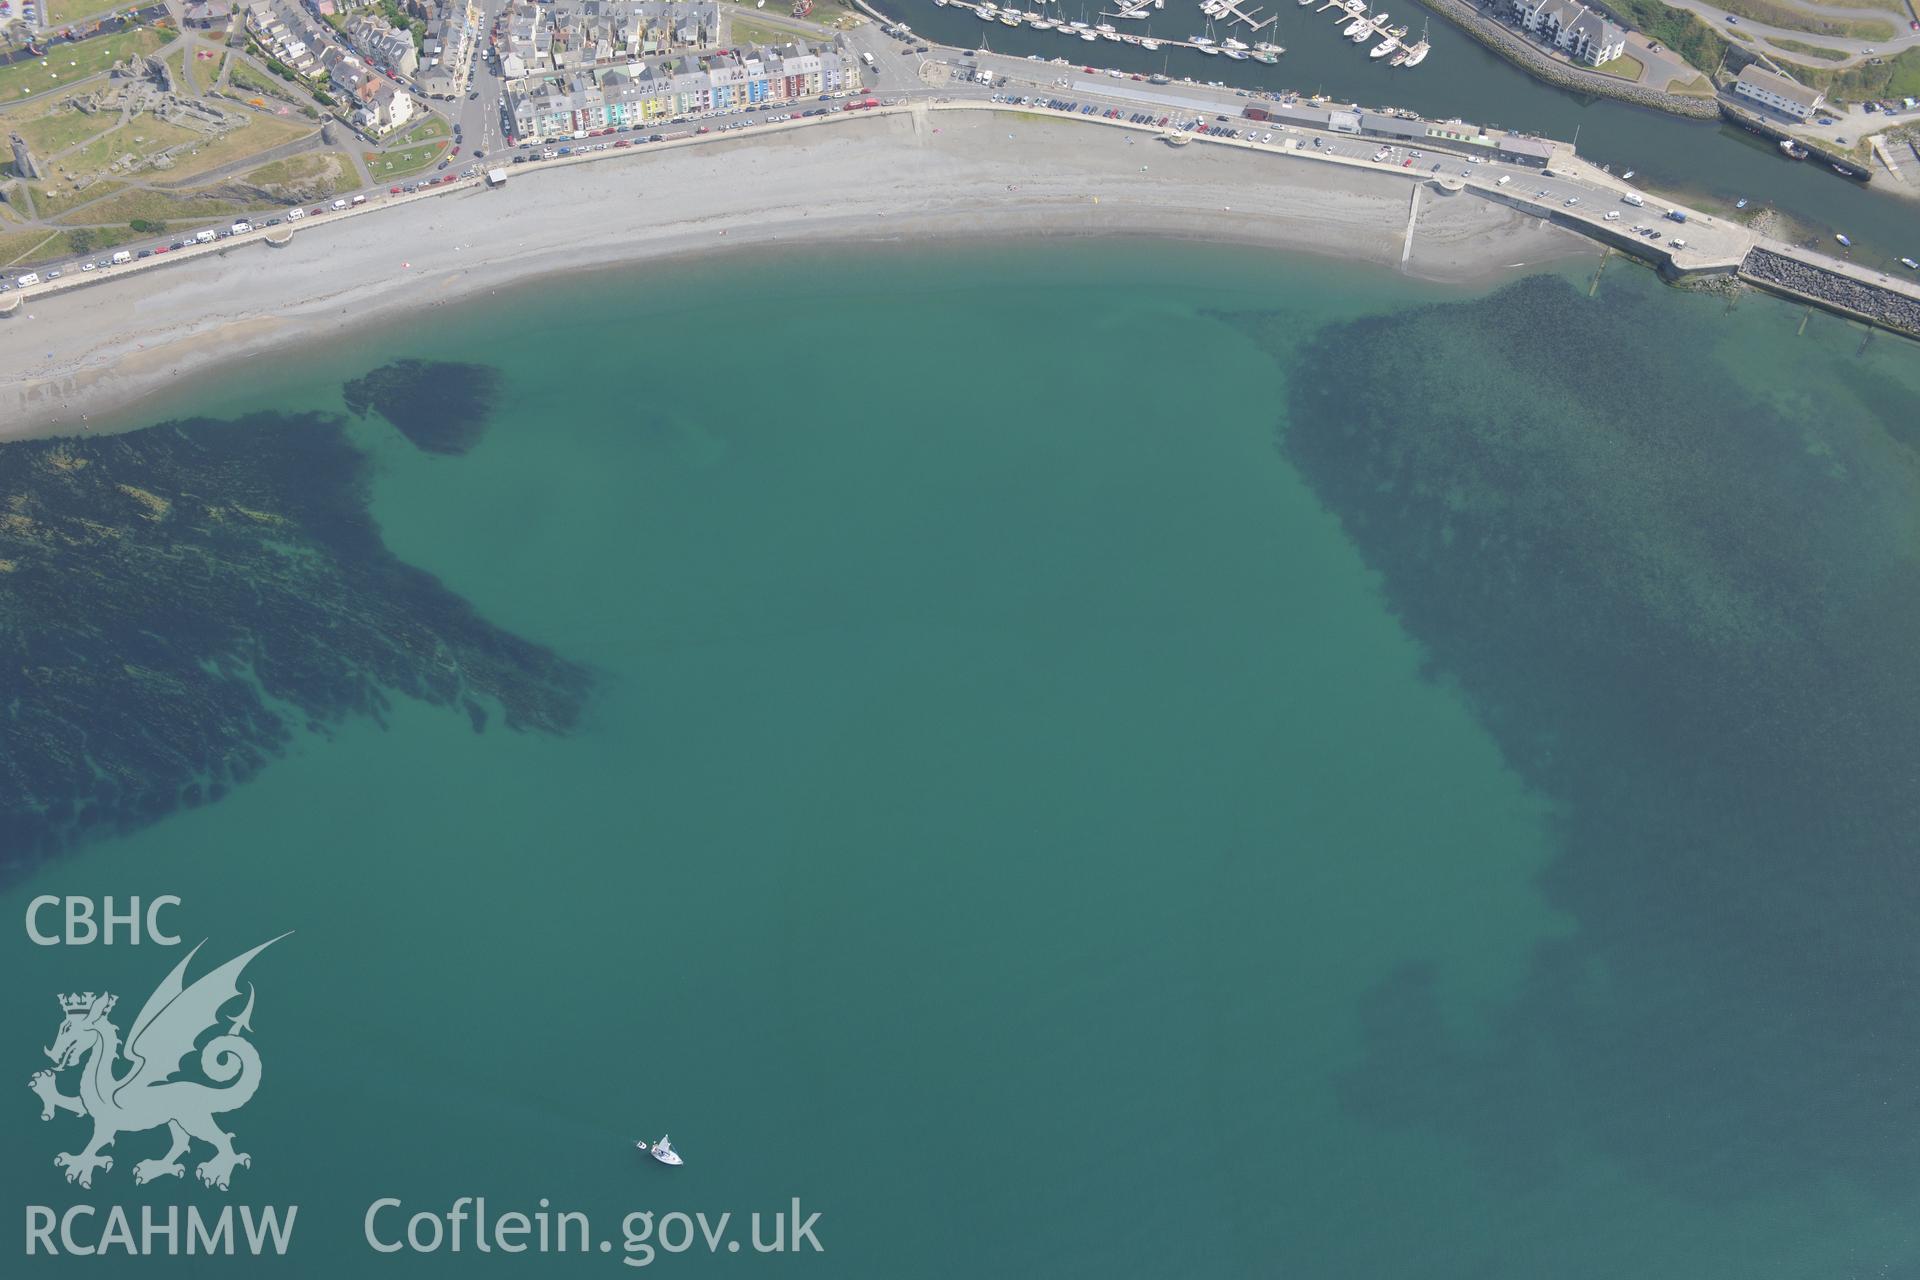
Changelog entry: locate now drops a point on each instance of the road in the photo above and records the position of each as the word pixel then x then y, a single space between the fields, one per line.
pixel 1857 51
pixel 1575 191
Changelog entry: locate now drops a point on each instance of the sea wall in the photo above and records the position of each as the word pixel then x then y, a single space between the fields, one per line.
pixel 1767 129
pixel 1859 298
pixel 1516 48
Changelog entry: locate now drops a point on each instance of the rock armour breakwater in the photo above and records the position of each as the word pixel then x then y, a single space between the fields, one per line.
pixel 1843 293
pixel 1514 47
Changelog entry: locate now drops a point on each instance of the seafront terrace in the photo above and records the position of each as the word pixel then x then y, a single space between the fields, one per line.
pixel 1569 193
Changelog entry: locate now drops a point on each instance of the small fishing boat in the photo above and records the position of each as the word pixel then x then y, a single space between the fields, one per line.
pixel 1740 204
pixel 1843 240
pixel 1626 175
pixel 662 1151
pixel 1910 264
pixel 1792 149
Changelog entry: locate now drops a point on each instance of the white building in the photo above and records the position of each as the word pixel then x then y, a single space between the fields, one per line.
pixel 1777 92
pixel 1572 28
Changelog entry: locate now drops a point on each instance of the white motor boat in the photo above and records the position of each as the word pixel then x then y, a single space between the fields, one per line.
pixel 662 1151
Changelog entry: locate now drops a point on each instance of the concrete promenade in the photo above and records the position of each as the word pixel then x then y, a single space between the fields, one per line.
pixel 1571 193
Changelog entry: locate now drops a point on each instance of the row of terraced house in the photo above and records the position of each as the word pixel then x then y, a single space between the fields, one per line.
pixel 558 105
pixel 569 36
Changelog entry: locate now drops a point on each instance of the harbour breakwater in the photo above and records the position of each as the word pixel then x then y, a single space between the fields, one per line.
pixel 1520 51
pixel 1862 299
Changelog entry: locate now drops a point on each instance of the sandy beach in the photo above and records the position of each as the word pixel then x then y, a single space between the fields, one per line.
pixel 93 354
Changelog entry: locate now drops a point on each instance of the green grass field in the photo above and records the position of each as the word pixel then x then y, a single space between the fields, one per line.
pixel 25 246
pixel 1777 13
pixel 260 133
pixel 57 13
pixel 1677 29
pixel 53 128
pixel 50 201
pixel 154 206
pixel 1897 77
pixel 67 64
pixel 386 166
pixel 313 176
pixel 426 131
pixel 1626 66
pixel 1806 50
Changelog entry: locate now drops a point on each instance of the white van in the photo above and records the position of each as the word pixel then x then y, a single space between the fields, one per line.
pixel 241 228
pixel 294 215
pixel 339 204
pixel 1505 178
pixel 204 237
pixel 359 199
pixel 124 255
pixel 31 277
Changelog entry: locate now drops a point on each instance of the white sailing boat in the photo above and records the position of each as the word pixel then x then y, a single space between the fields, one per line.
pixel 987 12
pixel 662 1151
pixel 1231 43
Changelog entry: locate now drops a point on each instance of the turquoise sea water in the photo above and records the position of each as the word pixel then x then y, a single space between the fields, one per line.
pixel 1049 800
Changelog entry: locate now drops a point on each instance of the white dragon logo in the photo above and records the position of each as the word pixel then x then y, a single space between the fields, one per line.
pixel 163 1036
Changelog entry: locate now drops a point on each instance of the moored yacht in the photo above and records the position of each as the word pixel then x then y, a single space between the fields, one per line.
pixel 662 1151
pixel 1384 48
pixel 1232 44
pixel 1416 54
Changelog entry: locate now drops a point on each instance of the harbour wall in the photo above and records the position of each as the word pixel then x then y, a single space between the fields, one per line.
pixel 1517 49
pixel 1767 129
pixel 1836 290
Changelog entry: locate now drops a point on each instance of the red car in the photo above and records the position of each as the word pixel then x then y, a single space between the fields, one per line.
pixel 456 151
pixel 623 143
pixel 393 191
pixel 161 248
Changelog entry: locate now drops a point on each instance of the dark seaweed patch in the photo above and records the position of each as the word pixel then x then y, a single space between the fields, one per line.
pixel 441 406
pixel 175 600
pixel 1687 610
